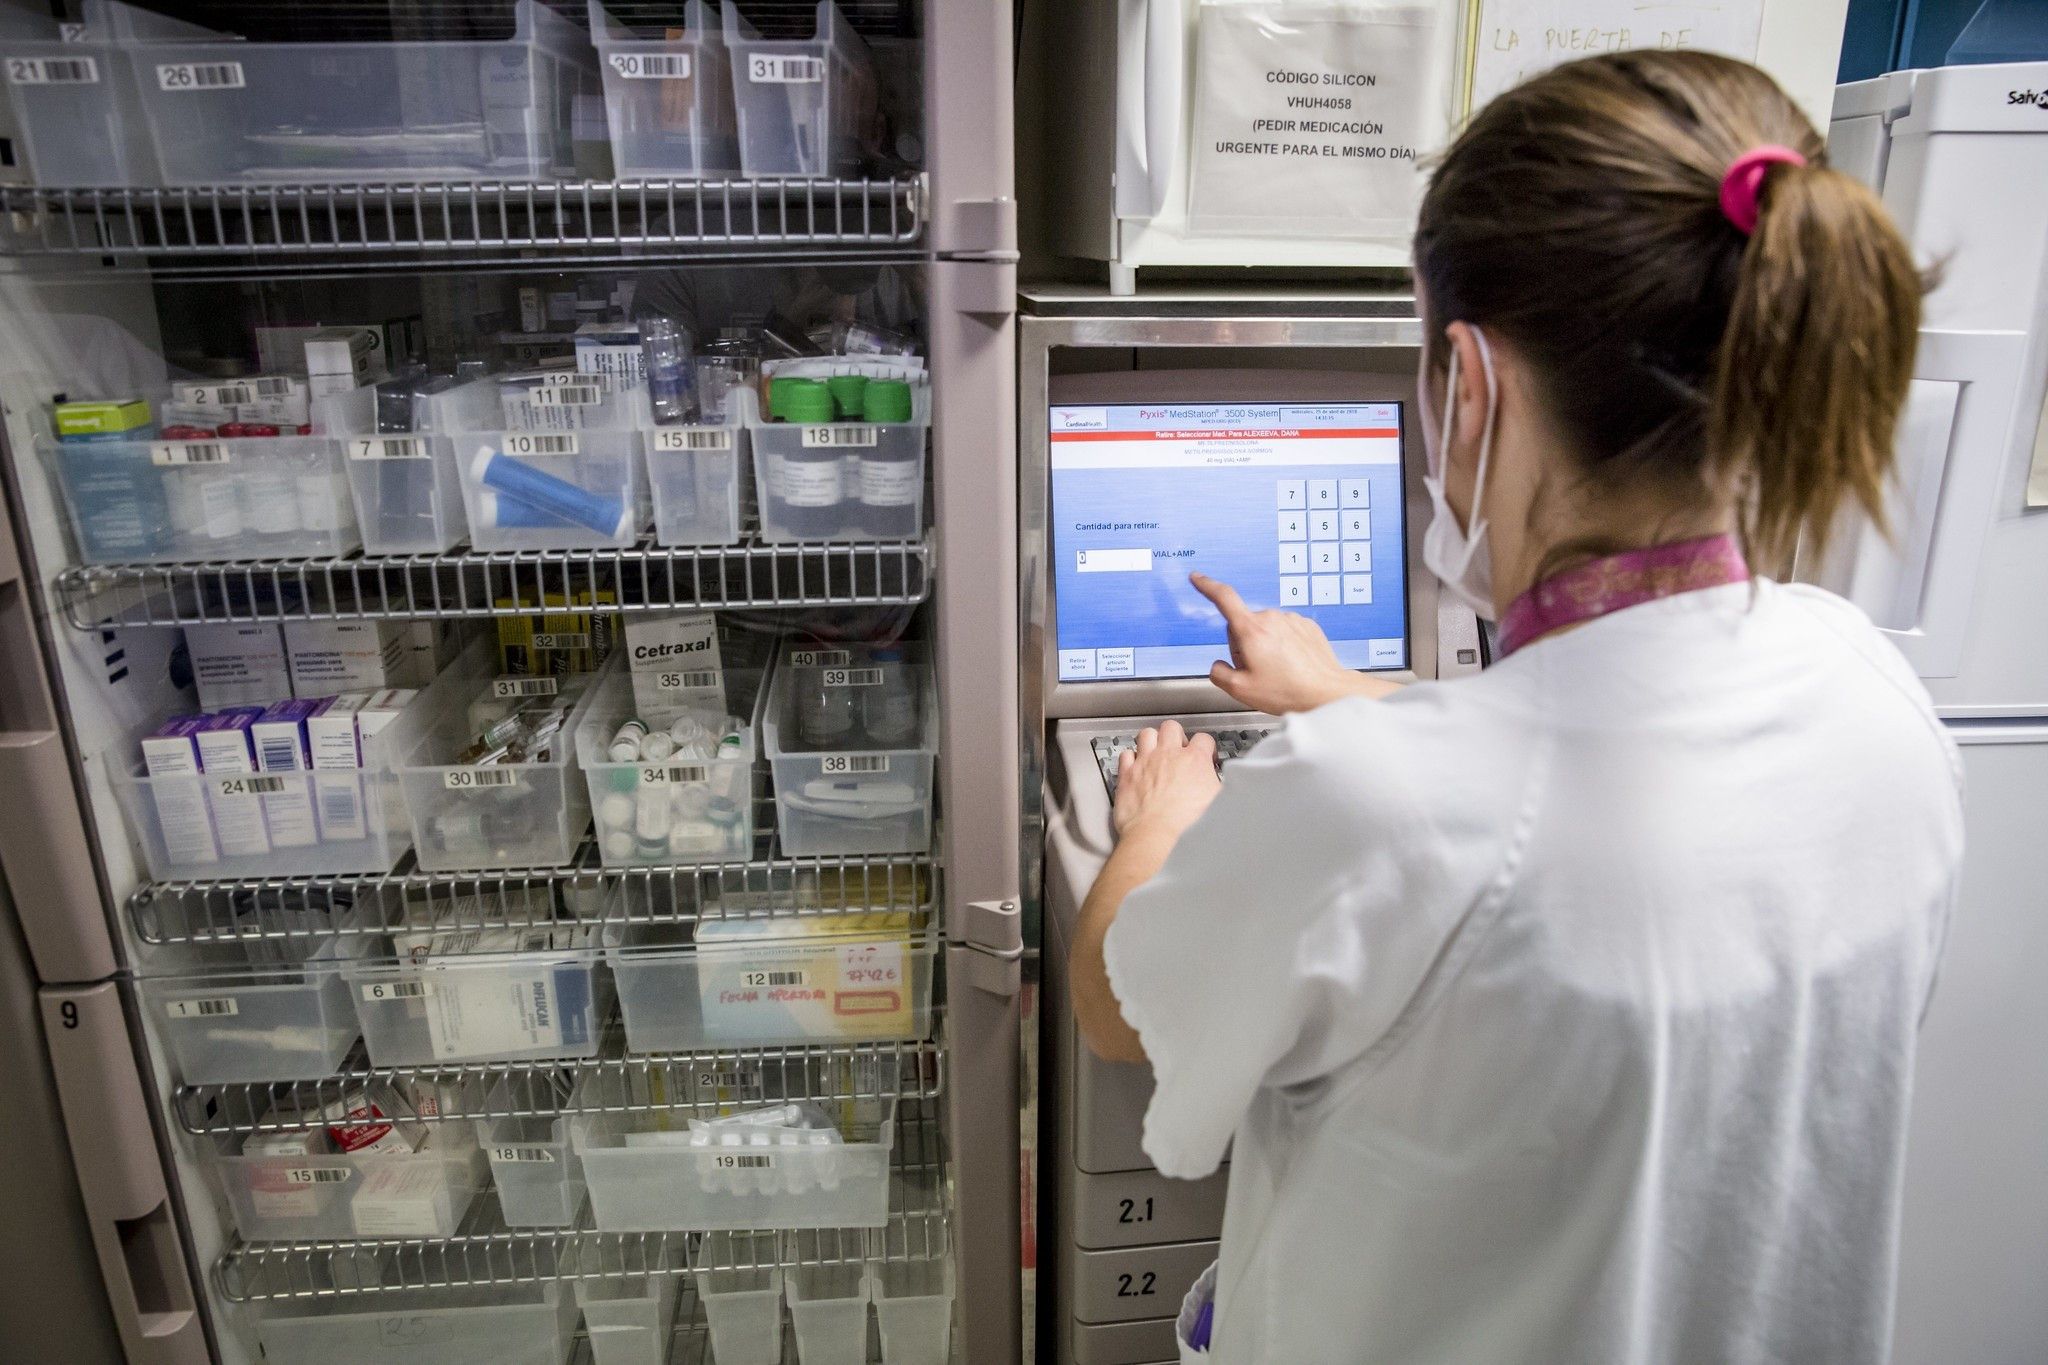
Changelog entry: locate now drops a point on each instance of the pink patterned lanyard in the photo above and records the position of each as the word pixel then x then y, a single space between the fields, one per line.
pixel 1615 582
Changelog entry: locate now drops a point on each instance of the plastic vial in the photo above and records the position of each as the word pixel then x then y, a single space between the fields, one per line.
pixel 891 476
pixel 888 710
pixel 723 368
pixel 808 483
pixel 665 349
pixel 824 713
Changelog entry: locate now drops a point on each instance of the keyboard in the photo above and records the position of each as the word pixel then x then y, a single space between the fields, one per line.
pixel 1232 743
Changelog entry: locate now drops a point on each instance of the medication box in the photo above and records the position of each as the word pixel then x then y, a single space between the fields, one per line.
pixel 112 419
pixel 238 665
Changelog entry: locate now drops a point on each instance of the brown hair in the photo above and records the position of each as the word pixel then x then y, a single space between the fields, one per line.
pixel 1579 216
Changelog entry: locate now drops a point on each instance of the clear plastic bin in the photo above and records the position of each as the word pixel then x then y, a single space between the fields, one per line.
pixel 509 1325
pixel 274 1022
pixel 742 1304
pixel 803 104
pixel 840 481
pixel 408 500
pixel 645 1177
pixel 515 815
pixel 549 475
pixel 674 811
pixel 496 1007
pixel 667 95
pixel 828 1307
pixel 221 109
pixel 760 983
pixel 220 826
pixel 538 1174
pixel 243 497
pixel 914 1308
pixel 694 472
pixel 75 104
pixel 850 733
pixel 353 1196
pixel 629 1320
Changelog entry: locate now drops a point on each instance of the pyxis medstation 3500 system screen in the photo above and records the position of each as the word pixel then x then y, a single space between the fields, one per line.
pixel 1297 505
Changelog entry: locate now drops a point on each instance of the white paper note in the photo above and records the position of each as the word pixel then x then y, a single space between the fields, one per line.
pixel 1518 38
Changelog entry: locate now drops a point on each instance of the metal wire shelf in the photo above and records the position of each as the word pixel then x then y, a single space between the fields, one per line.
pixel 459 219
pixel 269 910
pixel 484 1252
pixel 680 1082
pixel 470 583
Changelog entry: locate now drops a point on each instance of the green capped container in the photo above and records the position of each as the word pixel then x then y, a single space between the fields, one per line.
pixel 886 400
pixel 847 390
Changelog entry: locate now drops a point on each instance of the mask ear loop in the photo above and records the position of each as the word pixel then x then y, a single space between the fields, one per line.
pixel 1478 526
pixel 1443 444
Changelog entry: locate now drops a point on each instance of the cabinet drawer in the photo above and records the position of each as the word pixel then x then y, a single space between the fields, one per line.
pixel 1125 1343
pixel 1144 1208
pixel 1143 1282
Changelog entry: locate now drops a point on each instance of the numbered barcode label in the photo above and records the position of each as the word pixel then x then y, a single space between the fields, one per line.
pixel 199 76
pixel 743 1163
pixel 469 779
pixel 388 448
pixel 217 1008
pixel 534 443
pixel 694 681
pixel 785 977
pixel 239 391
pixel 668 776
pixel 853 677
pixel 315 1175
pixel 523 1156
pixel 652 66
pixel 841 437
pixel 251 786
pixel 729 1080
pixel 52 71
pixel 188 452
pixel 568 395
pixel 849 765
pixel 670 439
pixel 524 687
pixel 765 68
pixel 397 990
pixel 560 639
pixel 819 658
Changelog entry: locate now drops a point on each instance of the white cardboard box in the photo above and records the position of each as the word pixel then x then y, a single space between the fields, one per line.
pixel 238 665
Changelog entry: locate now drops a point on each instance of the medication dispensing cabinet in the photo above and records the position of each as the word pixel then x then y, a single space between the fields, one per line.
pixel 283 1152
pixel 1119 1244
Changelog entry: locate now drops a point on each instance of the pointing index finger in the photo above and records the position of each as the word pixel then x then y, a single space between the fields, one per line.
pixel 1225 597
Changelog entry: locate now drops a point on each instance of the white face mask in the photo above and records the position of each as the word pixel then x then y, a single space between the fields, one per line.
pixel 1456 555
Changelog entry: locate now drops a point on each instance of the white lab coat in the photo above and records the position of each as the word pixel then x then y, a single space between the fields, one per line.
pixel 1565 1013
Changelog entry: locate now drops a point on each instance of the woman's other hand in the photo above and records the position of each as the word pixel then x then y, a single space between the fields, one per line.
pixel 1164 786
pixel 1280 662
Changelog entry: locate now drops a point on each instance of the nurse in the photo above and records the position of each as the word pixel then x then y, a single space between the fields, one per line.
pixel 1565 1014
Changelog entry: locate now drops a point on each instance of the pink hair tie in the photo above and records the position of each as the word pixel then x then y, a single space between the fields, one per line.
pixel 1743 183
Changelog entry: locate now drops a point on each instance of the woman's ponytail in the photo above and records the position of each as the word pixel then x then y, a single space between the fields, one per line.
pixel 1691 343
pixel 1813 367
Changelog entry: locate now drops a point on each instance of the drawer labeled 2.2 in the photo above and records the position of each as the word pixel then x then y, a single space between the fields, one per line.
pixel 1143 1282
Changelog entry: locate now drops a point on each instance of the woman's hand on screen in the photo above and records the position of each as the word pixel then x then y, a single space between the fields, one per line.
pixel 1164 786
pixel 1280 661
